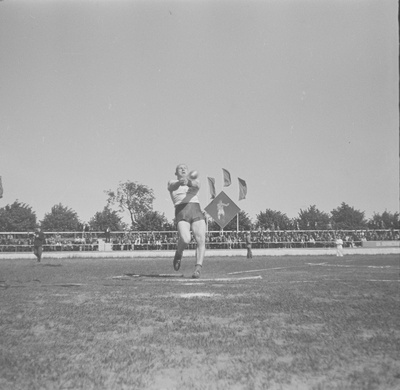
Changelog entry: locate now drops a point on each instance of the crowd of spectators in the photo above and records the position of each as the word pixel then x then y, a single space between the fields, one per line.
pixel 298 239
pixel 133 240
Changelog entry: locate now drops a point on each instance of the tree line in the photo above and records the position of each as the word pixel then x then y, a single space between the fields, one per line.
pixel 137 200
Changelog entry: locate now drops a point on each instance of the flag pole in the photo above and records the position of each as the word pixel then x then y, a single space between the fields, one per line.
pixel 237 223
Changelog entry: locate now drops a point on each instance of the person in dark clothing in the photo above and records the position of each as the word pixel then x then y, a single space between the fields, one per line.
pixel 107 235
pixel 39 240
pixel 248 246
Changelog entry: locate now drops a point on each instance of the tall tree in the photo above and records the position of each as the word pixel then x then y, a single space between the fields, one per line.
pixel 61 219
pixel 106 218
pixel 347 217
pixel 17 217
pixel 312 218
pixel 386 220
pixel 273 220
pixel 137 199
pixel 152 221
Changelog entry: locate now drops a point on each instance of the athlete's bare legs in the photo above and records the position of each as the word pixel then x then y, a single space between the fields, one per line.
pixel 184 235
pixel 199 233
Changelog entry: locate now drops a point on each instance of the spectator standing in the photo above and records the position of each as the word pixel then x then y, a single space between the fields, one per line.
pixel 85 230
pixel 339 247
pixel 107 234
pixel 248 246
pixel 39 240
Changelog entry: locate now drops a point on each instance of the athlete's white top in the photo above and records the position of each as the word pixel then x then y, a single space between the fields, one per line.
pixel 185 194
pixel 339 242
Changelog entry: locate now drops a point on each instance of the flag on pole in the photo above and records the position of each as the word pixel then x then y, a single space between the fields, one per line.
pixel 211 184
pixel 242 189
pixel 1 188
pixel 227 178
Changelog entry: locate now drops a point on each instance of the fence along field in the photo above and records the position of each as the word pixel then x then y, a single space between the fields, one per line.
pixel 304 322
pixel 166 240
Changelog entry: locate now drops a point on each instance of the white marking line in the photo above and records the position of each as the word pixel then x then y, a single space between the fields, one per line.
pixel 130 276
pixel 376 280
pixel 332 280
pixel 298 281
pixel 198 295
pixel 192 281
pixel 352 266
pixel 63 285
pixel 223 279
pixel 260 270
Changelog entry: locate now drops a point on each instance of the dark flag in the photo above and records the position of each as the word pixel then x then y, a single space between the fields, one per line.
pixel 242 189
pixel 1 188
pixel 227 178
pixel 211 184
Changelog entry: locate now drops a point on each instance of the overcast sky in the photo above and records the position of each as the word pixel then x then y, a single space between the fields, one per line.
pixel 297 97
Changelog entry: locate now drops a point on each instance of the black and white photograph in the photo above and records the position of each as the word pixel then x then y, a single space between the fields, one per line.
pixel 199 194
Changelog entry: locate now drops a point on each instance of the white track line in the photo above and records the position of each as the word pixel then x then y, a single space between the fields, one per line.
pixel 332 280
pixel 352 266
pixel 377 280
pixel 186 280
pixel 63 285
pixel 221 279
pixel 260 270
pixel 148 276
pixel 198 295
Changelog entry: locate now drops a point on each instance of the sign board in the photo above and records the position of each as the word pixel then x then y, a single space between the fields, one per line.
pixel 222 209
pixel 380 244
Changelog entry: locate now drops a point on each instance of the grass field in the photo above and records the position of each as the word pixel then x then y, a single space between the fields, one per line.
pixel 293 322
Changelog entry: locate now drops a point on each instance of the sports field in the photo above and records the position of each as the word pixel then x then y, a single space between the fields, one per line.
pixel 295 322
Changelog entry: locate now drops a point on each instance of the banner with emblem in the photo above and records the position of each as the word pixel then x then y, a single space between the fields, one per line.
pixel 222 209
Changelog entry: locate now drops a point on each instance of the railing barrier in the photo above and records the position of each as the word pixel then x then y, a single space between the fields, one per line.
pixel 166 240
